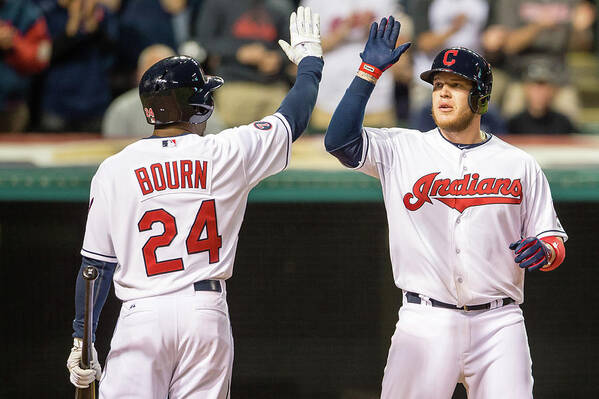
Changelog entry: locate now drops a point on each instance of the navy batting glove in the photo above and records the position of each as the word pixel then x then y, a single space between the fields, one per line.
pixel 531 253
pixel 380 48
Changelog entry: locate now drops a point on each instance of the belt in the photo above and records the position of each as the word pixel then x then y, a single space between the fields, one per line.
pixel 207 285
pixel 413 297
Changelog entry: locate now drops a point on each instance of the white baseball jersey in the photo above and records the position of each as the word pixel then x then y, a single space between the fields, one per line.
pixel 452 212
pixel 168 210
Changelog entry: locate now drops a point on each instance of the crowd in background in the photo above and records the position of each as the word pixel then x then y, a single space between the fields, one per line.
pixel 74 65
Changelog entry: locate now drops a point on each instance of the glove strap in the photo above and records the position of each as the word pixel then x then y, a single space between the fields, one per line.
pixel 370 70
pixel 560 252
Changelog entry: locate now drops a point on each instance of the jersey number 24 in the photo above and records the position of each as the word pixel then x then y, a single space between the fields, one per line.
pixel 205 219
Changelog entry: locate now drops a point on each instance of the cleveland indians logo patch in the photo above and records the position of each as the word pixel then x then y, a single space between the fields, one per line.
pixel 263 125
pixel 463 193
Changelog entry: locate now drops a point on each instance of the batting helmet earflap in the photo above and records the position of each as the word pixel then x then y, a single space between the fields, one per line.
pixel 467 64
pixel 176 89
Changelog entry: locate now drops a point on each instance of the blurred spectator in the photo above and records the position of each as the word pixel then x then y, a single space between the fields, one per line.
pixel 492 41
pixel 25 48
pixel 539 91
pixel 125 117
pixel 544 29
pixel 440 24
pixel 241 38
pixel 344 30
pixel 76 90
pixel 143 23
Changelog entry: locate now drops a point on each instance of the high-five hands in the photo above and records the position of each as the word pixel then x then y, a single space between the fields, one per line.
pixel 380 51
pixel 304 29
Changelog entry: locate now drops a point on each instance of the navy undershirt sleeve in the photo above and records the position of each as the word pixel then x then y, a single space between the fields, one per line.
pixel 298 104
pixel 101 290
pixel 343 138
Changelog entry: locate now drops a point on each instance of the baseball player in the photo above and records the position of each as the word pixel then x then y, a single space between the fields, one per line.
pixel 468 214
pixel 164 217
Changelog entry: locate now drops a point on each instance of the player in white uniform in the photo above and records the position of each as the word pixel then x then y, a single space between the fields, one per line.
pixel 467 214
pixel 164 217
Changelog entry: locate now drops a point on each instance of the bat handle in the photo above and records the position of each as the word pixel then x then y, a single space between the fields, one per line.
pixel 90 274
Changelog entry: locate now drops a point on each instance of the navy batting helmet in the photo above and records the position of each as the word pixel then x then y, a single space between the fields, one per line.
pixel 176 89
pixel 467 64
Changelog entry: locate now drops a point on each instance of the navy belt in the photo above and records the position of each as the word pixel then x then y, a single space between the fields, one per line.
pixel 207 285
pixel 415 298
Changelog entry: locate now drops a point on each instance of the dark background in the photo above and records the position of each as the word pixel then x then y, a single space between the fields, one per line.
pixel 312 302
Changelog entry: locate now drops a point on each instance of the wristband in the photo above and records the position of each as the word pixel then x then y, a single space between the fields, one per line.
pixel 559 250
pixel 370 70
pixel 367 77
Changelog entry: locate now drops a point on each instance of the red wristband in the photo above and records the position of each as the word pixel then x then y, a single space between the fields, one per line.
pixel 371 70
pixel 560 252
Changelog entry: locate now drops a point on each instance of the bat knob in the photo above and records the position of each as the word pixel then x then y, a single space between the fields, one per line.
pixel 90 273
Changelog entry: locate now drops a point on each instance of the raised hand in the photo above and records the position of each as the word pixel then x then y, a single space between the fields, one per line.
pixel 380 51
pixel 304 29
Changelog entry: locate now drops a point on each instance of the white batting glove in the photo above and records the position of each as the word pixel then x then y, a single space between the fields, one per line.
pixel 81 378
pixel 304 29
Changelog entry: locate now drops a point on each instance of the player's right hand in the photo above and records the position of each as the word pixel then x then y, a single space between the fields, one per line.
pixel 531 253
pixel 304 29
pixel 81 378
pixel 380 48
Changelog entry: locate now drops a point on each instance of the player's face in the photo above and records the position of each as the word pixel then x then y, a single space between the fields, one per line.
pixel 450 109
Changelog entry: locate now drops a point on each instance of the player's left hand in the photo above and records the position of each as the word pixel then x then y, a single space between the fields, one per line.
pixel 304 29
pixel 380 48
pixel 79 377
pixel 531 253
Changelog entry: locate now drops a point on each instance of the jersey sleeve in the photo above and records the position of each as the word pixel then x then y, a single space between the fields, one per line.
pixel 540 218
pixel 377 152
pixel 266 147
pixel 97 242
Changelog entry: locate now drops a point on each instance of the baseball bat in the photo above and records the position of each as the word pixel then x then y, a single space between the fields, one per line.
pixel 90 274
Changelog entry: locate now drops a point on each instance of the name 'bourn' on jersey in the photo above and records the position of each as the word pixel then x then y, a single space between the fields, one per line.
pixel 169 210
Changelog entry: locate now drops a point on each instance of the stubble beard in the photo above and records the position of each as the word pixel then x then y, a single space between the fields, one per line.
pixel 458 124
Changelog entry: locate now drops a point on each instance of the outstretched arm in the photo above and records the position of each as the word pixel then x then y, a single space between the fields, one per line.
pixel 305 51
pixel 343 138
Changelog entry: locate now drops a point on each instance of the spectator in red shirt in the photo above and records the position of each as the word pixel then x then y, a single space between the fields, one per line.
pixel 25 48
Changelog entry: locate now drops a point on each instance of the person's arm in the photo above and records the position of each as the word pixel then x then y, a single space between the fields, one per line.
pixel 298 104
pixel 79 377
pixel 343 137
pixel 519 39
pixel 101 34
pixel 101 290
pixel 431 40
pixel 306 52
pixel 29 52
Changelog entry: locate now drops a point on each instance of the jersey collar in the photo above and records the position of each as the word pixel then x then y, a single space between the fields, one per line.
pixel 167 137
pixel 466 146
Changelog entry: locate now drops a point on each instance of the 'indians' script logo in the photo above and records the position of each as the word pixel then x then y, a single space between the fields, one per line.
pixel 463 193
